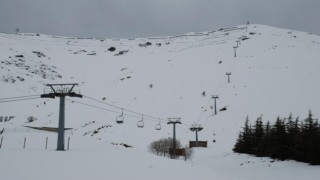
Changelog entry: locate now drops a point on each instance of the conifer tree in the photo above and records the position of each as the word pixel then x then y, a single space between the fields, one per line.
pixel 289 139
pixel 279 140
pixel 258 135
pixel 293 134
pixel 245 140
pixel 311 140
pixel 248 139
pixel 239 146
pixel 266 145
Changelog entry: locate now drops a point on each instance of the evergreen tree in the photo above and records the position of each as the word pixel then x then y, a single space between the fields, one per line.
pixel 311 140
pixel 294 137
pixel 258 135
pixel 245 140
pixel 283 140
pixel 239 146
pixel 265 145
pixel 267 140
pixel 279 144
pixel 248 139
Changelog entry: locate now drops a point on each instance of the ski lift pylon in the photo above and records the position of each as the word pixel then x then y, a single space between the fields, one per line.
pixel 120 118
pixel 140 123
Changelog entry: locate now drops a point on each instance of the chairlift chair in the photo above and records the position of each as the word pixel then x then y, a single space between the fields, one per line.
pixel 140 123
pixel 158 126
pixel 120 118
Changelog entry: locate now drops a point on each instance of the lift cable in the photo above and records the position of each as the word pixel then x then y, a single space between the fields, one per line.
pixel 12 100
pixel 134 112
pixel 105 109
pixel 18 97
pixel 146 117
pixel 220 88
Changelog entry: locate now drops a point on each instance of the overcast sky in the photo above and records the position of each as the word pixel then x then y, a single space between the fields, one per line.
pixel 143 18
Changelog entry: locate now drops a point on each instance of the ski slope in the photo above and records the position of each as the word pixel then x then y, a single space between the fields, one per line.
pixel 274 73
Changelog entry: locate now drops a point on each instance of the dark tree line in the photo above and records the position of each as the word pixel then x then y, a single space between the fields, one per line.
pixel 287 138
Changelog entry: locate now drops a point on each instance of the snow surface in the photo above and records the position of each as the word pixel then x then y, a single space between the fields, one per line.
pixel 275 73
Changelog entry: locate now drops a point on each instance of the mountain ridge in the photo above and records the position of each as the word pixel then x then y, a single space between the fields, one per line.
pixel 170 77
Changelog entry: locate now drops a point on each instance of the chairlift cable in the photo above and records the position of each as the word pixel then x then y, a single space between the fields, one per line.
pixel 105 109
pixel 221 88
pixel 19 99
pixel 134 112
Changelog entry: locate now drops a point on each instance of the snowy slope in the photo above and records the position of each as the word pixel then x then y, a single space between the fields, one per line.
pixel 274 73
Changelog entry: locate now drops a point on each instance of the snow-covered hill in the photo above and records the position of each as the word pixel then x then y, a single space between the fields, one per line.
pixel 274 73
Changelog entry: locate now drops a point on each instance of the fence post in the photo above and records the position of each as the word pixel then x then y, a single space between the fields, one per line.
pixel 47 142
pixel 68 142
pixel 1 142
pixel 24 144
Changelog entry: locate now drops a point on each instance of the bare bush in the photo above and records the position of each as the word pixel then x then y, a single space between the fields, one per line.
pixel 161 146
pixel 188 153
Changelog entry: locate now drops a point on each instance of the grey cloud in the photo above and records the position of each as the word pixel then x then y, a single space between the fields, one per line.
pixel 142 18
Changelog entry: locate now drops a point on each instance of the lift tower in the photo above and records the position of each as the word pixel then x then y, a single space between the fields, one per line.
pixel 215 97
pixel 61 91
pixel 174 121
pixel 228 74
pixel 196 128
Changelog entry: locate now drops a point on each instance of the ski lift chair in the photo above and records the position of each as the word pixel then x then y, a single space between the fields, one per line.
pixel 120 118
pixel 140 123
pixel 158 126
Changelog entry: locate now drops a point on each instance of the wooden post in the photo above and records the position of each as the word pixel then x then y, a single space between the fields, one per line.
pixel 24 144
pixel 68 142
pixel 235 52
pixel 1 142
pixel 47 142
